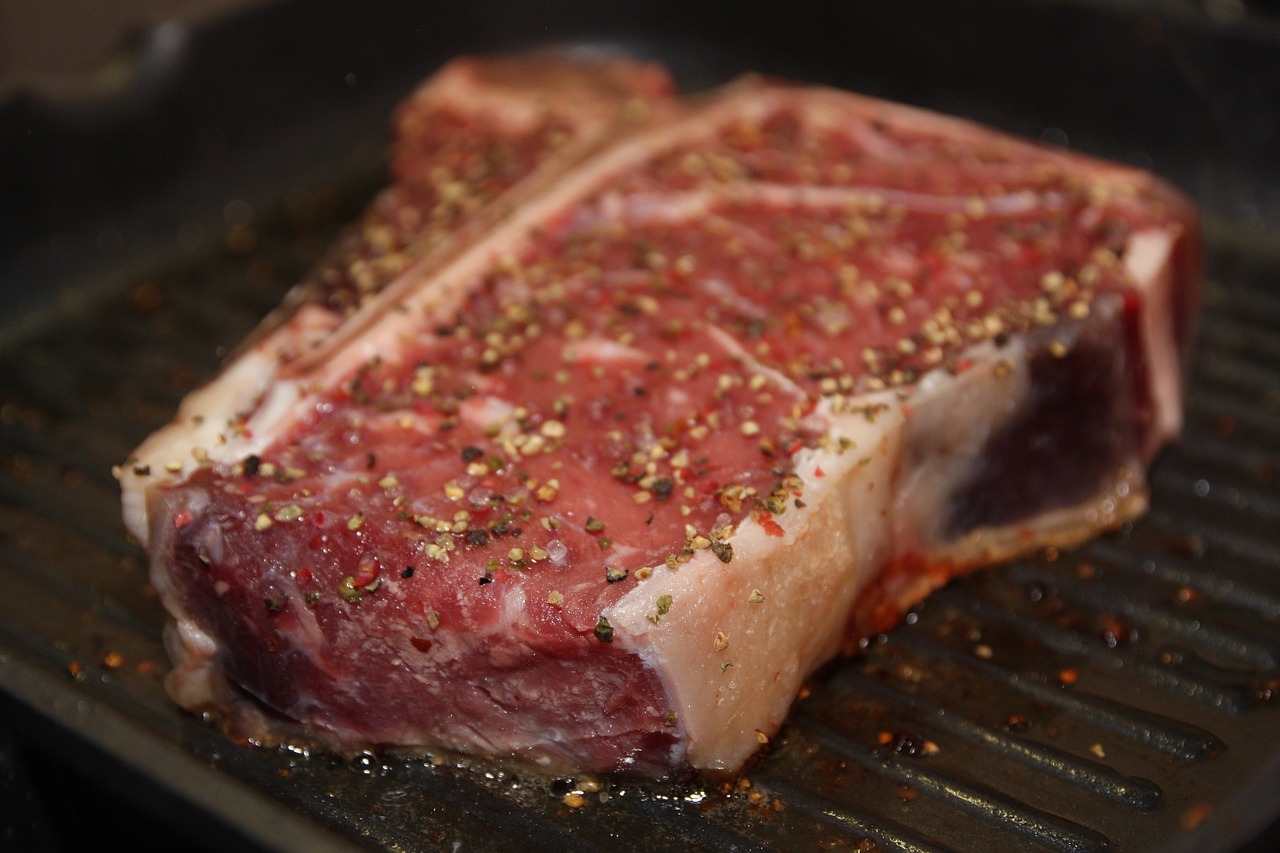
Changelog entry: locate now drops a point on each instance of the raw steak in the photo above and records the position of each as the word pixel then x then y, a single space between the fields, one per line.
pixel 589 452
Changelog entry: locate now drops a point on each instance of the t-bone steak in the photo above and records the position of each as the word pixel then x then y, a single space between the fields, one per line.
pixel 618 414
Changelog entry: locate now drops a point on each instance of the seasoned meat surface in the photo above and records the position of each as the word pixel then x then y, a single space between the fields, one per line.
pixel 618 414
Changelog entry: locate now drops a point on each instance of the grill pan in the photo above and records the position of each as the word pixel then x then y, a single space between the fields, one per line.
pixel 1120 696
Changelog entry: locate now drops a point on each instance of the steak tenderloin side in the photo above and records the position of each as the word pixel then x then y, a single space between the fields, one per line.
pixel 615 459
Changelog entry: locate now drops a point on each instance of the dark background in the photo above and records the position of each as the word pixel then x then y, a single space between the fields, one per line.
pixel 140 128
pixel 148 126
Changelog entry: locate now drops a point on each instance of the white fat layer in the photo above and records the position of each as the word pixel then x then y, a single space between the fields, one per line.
pixel 847 198
pixel 647 208
pixel 740 354
pixel 463 85
pixel 196 640
pixel 1148 260
pixel 597 350
pixel 480 412
pixel 808 581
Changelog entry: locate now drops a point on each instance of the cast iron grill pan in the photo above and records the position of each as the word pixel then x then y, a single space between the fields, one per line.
pixel 1119 696
pixel 1114 696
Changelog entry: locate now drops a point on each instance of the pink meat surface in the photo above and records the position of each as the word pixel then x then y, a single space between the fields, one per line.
pixel 594 467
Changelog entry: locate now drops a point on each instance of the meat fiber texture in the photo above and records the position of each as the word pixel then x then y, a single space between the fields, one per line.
pixel 618 414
